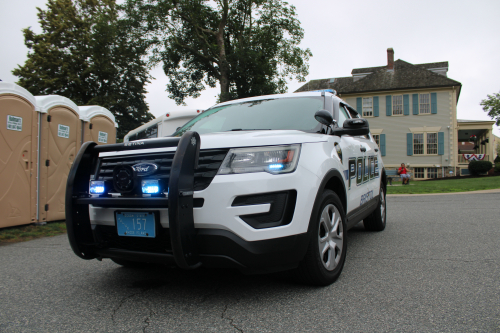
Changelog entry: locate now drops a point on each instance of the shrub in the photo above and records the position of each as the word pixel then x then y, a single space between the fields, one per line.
pixel 497 159
pixel 497 167
pixel 478 167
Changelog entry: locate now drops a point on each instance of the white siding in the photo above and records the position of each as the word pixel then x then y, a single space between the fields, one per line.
pixel 395 129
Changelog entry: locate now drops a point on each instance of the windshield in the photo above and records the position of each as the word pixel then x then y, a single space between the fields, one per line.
pixel 269 114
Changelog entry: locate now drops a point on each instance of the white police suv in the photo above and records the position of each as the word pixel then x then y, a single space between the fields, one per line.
pixel 261 184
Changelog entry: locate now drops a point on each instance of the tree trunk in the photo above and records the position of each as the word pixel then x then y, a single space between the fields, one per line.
pixel 223 65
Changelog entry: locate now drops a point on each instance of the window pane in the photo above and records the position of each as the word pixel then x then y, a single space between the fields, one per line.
pixel 342 115
pixel 377 139
pixel 432 173
pixel 367 107
pixel 432 143
pixel 419 172
pixel 418 144
pixel 397 104
pixel 425 103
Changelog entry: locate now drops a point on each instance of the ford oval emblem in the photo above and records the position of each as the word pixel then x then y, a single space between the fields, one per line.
pixel 145 169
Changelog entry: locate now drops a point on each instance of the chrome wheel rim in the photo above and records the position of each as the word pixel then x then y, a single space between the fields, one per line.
pixel 330 237
pixel 382 205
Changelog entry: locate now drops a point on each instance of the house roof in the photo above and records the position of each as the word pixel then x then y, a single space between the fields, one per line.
pixel 404 76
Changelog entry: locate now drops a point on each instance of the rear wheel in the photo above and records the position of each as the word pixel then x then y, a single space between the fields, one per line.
pixel 376 221
pixel 326 253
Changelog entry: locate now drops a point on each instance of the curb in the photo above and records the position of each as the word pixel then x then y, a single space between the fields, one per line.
pixel 496 190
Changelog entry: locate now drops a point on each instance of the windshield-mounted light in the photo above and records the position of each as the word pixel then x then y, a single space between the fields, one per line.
pixel 273 159
pixel 97 187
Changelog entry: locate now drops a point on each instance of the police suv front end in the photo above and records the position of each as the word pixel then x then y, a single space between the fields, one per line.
pixel 237 186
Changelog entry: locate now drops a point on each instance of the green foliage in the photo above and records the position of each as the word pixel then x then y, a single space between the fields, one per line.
pixel 479 167
pixel 497 167
pixel 87 55
pixel 497 159
pixel 250 47
pixel 492 106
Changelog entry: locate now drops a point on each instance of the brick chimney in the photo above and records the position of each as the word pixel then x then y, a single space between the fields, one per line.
pixel 390 59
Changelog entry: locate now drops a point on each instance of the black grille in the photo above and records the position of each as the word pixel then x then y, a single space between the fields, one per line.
pixel 107 237
pixel 208 165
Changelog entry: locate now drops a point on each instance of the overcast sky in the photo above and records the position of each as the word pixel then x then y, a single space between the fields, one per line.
pixel 343 35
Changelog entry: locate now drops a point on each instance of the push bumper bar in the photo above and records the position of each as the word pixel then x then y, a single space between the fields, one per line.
pixel 179 202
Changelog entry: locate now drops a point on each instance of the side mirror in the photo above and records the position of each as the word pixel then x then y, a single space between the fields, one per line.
pixel 324 117
pixel 356 126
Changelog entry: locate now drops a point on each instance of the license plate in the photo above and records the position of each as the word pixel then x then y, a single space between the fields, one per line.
pixel 136 224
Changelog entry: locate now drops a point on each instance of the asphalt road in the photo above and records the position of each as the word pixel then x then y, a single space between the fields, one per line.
pixel 436 268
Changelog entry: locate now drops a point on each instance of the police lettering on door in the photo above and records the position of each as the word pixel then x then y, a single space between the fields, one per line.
pixel 362 170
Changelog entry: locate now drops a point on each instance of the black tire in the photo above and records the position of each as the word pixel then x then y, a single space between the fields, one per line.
pixel 130 263
pixel 377 220
pixel 324 269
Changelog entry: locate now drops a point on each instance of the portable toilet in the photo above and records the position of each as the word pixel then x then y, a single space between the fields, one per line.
pixel 98 124
pixel 60 141
pixel 18 155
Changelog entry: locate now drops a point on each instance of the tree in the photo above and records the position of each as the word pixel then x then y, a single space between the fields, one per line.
pixel 492 106
pixel 86 54
pixel 250 47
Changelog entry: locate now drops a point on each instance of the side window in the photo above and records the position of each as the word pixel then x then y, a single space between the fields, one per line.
pixel 343 115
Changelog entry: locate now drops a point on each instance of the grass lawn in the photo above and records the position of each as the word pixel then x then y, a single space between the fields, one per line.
pixel 29 232
pixel 446 186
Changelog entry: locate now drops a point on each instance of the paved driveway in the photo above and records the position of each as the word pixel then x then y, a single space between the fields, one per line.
pixel 436 267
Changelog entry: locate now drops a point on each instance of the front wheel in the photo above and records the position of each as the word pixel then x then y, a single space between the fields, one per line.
pixel 327 249
pixel 376 221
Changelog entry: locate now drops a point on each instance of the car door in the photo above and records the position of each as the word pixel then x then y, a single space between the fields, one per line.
pixel 361 168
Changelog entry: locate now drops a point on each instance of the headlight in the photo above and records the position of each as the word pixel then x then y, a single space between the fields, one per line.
pixel 273 159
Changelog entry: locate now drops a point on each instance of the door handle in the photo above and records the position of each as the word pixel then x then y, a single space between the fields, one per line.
pixel 363 149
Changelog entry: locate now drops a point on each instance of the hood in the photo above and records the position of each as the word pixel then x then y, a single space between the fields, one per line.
pixel 239 139
pixel 257 138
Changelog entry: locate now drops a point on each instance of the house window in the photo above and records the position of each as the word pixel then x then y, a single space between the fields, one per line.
pixel 418 144
pixel 425 143
pixel 367 107
pixel 425 104
pixel 419 173
pixel 376 138
pixel 397 104
pixel 432 143
pixel 432 172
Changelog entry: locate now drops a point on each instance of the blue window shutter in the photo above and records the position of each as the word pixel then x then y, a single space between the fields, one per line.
pixel 359 106
pixel 375 106
pixel 440 143
pixel 415 103
pixel 434 104
pixel 388 105
pixel 382 144
pixel 409 144
pixel 406 105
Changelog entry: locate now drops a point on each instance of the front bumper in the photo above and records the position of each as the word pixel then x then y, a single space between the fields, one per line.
pixel 203 227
